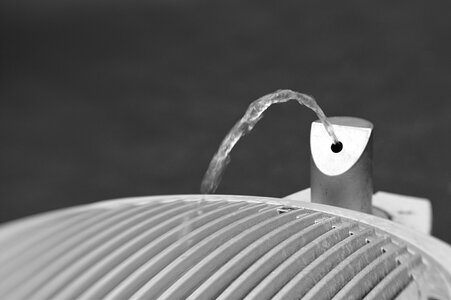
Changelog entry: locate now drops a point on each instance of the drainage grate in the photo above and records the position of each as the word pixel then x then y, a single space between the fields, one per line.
pixel 206 247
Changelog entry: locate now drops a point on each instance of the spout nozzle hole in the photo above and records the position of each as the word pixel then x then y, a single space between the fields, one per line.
pixel 336 147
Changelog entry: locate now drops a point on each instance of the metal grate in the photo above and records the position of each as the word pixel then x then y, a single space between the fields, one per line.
pixel 197 247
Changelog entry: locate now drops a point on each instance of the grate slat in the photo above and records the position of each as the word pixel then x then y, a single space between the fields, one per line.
pixel 108 256
pixel 242 285
pixel 131 255
pixel 396 280
pixel 413 289
pixel 330 284
pixel 370 276
pixel 24 230
pixel 202 270
pixel 270 285
pixel 189 258
pixel 209 247
pixel 235 266
pixel 54 246
pixel 34 239
pixel 65 269
pixel 300 284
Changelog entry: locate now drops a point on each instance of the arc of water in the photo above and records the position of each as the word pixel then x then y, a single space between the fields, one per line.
pixel 253 114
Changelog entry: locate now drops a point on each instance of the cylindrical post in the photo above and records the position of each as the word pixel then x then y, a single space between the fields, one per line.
pixel 341 175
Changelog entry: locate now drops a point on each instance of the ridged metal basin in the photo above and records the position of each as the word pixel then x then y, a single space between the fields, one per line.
pixel 218 247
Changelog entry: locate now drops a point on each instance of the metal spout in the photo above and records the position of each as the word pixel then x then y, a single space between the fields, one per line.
pixel 342 176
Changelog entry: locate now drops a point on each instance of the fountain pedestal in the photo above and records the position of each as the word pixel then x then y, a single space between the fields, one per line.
pixel 343 177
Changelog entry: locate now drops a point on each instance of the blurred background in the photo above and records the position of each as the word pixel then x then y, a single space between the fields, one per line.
pixel 109 99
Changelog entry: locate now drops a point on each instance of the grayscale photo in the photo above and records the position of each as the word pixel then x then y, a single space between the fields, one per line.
pixel 193 149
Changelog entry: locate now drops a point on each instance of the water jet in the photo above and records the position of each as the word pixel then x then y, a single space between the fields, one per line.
pixel 334 240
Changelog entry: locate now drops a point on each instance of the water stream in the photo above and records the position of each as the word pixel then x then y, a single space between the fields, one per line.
pixel 253 114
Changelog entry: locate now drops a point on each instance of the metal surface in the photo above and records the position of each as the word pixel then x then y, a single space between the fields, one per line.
pixel 342 179
pixel 217 246
pixel 412 212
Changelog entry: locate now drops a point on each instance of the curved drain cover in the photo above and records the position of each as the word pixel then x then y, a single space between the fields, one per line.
pixel 210 247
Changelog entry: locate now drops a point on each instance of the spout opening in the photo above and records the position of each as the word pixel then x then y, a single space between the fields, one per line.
pixel 336 147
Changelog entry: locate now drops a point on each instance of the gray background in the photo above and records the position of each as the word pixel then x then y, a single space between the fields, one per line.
pixel 109 99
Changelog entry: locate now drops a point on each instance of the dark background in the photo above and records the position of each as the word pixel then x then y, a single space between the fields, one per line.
pixel 109 99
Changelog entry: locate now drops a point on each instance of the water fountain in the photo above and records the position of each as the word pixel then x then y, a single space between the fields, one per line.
pixel 335 240
pixel 253 114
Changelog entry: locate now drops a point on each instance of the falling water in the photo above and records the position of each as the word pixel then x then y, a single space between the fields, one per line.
pixel 253 114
